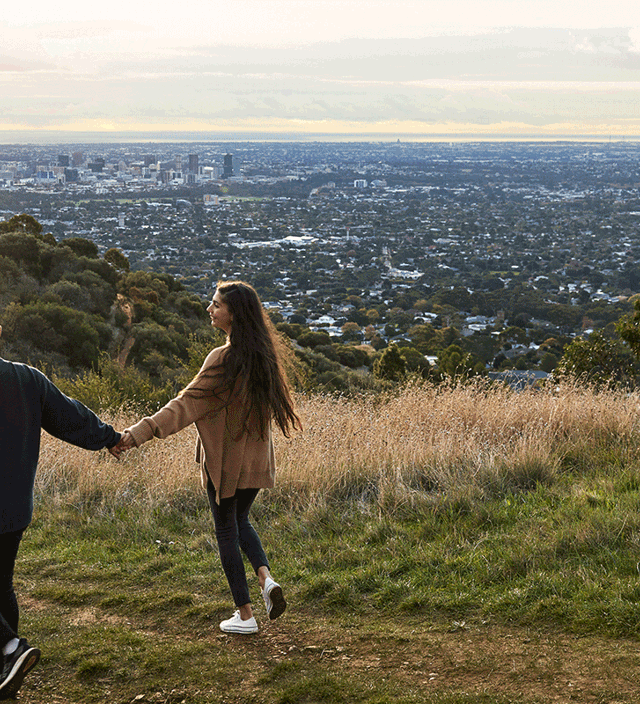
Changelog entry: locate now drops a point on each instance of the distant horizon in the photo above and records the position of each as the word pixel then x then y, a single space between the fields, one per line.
pixel 52 137
pixel 320 70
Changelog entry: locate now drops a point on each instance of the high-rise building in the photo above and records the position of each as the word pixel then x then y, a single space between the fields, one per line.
pixel 63 160
pixel 193 163
pixel 97 165
pixel 149 159
pixel 228 166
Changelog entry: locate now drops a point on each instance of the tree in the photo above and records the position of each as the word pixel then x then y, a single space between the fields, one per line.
pixel 82 247
pixel 454 362
pixel 422 337
pixel 351 331
pixel 514 334
pixel 372 316
pixel 350 356
pixel 377 342
pixel 597 359
pixel 51 327
pixel 548 362
pixel 24 249
pixel 21 223
pixel 117 259
pixel 521 364
pixel 155 345
pixel 313 339
pixel 390 365
pixel 293 331
pixel 415 361
pixel 628 327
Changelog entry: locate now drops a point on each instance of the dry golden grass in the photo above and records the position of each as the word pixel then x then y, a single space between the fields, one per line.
pixel 423 440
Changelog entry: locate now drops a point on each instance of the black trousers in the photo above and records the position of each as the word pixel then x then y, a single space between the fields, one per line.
pixel 234 532
pixel 9 613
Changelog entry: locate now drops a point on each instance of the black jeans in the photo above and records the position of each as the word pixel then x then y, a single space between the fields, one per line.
pixel 9 614
pixel 234 532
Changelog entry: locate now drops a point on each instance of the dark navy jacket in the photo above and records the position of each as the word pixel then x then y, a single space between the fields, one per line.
pixel 29 402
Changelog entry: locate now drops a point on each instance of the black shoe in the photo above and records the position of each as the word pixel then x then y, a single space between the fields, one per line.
pixel 16 666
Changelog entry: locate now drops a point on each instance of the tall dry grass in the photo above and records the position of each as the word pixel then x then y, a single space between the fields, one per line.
pixel 424 440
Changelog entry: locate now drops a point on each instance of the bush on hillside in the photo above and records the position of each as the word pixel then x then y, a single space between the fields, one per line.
pixel 50 327
pixel 391 365
pixel 111 388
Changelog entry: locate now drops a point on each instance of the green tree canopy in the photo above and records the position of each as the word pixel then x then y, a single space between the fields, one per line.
pixel 313 338
pixel 598 359
pixel 82 247
pixel 628 327
pixel 391 365
pixel 51 327
pixel 415 361
pixel 117 259
pixel 21 223
pixel 455 363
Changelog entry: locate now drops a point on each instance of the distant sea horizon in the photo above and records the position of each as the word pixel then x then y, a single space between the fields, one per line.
pixel 44 137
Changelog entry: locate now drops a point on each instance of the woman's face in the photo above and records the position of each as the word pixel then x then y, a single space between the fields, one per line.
pixel 219 312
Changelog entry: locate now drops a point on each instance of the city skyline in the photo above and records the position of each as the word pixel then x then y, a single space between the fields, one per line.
pixel 410 69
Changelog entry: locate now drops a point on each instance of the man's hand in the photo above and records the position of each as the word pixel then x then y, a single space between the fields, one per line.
pixel 126 443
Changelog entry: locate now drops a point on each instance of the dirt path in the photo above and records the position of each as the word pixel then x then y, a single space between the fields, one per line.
pixel 520 665
pixel 523 665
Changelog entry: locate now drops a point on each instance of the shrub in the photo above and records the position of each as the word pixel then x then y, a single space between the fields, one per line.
pixel 111 388
pixel 51 327
pixel 390 365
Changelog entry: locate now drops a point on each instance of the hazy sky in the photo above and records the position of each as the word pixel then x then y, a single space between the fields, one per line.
pixel 394 67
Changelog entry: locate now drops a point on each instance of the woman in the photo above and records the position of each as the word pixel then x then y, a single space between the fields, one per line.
pixel 240 389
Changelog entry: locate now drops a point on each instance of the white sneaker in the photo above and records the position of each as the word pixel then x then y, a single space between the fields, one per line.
pixel 273 599
pixel 236 625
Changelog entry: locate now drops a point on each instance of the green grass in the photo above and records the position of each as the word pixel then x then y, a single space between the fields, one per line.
pixel 510 558
pixel 126 603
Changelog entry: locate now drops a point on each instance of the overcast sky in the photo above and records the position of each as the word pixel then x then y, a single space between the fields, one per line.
pixel 393 67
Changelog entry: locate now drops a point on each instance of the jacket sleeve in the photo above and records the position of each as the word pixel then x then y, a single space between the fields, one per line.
pixel 71 421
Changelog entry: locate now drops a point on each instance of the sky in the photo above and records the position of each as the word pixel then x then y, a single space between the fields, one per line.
pixel 393 68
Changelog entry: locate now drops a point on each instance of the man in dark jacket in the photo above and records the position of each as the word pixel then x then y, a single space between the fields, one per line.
pixel 30 402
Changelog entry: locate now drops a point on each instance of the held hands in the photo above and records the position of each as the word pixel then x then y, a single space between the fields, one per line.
pixel 126 443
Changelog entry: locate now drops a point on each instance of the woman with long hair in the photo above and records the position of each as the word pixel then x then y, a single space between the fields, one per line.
pixel 239 392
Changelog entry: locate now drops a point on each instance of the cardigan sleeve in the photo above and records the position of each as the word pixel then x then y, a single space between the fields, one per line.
pixel 193 403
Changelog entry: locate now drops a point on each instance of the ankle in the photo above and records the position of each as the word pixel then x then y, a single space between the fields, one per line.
pixel 246 612
pixel 263 575
pixel 11 646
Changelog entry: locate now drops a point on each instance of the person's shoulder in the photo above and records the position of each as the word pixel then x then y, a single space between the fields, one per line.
pixel 215 357
pixel 20 369
pixel 20 377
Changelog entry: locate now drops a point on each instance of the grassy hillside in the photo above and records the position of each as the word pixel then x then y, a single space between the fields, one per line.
pixel 64 307
pixel 440 544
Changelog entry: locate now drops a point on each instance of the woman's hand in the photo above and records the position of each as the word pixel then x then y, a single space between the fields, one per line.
pixel 126 443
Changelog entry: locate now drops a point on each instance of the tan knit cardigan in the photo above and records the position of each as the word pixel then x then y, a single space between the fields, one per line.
pixel 233 459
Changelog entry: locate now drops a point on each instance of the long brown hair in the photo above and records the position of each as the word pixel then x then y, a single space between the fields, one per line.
pixel 253 364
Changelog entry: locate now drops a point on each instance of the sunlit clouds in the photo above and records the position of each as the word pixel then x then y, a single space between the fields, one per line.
pixel 322 67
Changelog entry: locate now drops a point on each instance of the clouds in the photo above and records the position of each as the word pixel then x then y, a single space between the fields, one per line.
pixel 290 22
pixel 350 65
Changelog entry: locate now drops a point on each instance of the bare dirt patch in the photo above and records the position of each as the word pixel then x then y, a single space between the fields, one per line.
pixel 512 664
pixel 522 665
